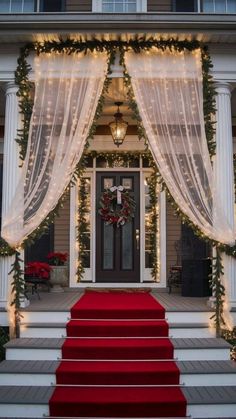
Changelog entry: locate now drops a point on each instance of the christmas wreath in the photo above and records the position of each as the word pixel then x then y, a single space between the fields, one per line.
pixel 117 207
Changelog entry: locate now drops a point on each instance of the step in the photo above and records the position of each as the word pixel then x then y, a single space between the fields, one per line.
pixel 116 348
pixel 62 316
pixel 192 373
pixel 58 330
pixel 202 402
pixel 140 400
pixel 122 305
pixel 117 328
pixel 184 348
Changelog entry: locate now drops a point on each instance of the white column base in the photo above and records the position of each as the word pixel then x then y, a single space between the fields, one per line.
pixel 6 279
pixel 229 279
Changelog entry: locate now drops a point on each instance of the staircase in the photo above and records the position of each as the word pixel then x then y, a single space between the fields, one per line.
pixel 28 376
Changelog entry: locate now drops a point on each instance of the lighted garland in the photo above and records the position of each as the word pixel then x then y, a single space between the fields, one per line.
pixel 82 227
pixel 137 44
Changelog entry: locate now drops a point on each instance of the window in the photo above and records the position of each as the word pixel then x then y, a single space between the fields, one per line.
pixel 119 6
pixel 219 6
pixel 52 5
pixel 17 6
pixel 185 6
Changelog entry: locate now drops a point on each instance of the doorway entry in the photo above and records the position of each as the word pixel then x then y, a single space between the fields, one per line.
pixel 118 248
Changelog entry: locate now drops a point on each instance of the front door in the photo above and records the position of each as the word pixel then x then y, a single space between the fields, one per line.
pixel 117 248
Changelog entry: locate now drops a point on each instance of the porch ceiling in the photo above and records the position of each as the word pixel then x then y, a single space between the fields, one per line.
pixel 204 27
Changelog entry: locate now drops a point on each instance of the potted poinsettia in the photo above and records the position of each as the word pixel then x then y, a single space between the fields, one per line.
pixel 59 276
pixel 39 270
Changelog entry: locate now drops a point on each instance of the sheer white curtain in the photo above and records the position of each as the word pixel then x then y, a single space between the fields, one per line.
pixel 67 89
pixel 169 93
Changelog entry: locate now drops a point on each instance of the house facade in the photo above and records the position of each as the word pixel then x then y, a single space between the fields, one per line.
pixel 122 257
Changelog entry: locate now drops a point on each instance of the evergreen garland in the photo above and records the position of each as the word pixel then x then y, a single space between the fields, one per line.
pixel 137 44
pixel 218 291
pixel 83 227
pixel 18 290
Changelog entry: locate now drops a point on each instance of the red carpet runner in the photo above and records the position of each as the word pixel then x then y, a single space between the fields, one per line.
pixel 117 360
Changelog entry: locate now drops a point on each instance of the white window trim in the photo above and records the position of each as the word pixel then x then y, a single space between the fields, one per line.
pixel 141 6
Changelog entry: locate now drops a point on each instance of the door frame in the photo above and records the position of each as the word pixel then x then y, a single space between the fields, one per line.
pixel 118 272
pixel 89 275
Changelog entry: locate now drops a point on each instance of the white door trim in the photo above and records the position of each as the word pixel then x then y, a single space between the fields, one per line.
pixel 89 276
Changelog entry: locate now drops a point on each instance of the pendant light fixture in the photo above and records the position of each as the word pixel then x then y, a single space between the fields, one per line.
pixel 118 127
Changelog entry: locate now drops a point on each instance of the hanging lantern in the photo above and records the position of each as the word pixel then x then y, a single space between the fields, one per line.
pixel 118 127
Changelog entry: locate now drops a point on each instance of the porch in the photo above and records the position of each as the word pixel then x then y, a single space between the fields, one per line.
pixel 64 301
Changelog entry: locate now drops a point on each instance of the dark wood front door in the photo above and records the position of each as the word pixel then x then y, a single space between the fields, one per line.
pixel 117 248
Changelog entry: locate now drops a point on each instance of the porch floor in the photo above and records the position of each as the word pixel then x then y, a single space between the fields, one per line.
pixel 65 300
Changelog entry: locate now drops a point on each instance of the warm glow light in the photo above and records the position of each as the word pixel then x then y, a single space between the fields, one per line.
pixel 118 127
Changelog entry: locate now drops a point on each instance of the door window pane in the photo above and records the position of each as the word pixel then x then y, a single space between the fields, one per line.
pixel 127 246
pixel 108 247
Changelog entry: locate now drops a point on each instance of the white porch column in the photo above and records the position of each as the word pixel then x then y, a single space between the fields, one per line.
pixel 10 177
pixel 225 176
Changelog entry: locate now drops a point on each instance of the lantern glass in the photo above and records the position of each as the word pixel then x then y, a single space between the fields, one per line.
pixel 118 127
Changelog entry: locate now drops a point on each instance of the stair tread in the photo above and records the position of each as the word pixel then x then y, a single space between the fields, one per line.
pixel 36 343
pixel 210 395
pixel 207 367
pixel 195 343
pixel 186 367
pixel 42 394
pixel 28 367
pixel 63 325
pixel 179 343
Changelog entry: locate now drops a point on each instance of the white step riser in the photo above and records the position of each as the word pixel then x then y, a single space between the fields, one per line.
pixel 63 316
pixel 195 411
pixel 189 317
pixel 33 354
pixel 211 410
pixel 28 379
pixel 45 316
pixel 180 354
pixel 185 379
pixel 202 354
pixel 42 332
pixel 23 411
pixel 57 332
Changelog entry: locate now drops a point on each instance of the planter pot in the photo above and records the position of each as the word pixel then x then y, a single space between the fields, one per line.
pixel 59 277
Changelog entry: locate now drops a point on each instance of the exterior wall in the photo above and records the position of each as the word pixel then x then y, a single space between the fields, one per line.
pixel 159 5
pixel 78 6
pixel 62 229
pixel 173 233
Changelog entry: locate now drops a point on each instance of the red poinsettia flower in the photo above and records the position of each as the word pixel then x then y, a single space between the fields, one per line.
pixel 57 258
pixel 38 270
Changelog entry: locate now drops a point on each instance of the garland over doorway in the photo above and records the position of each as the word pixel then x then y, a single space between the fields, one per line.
pixel 138 45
